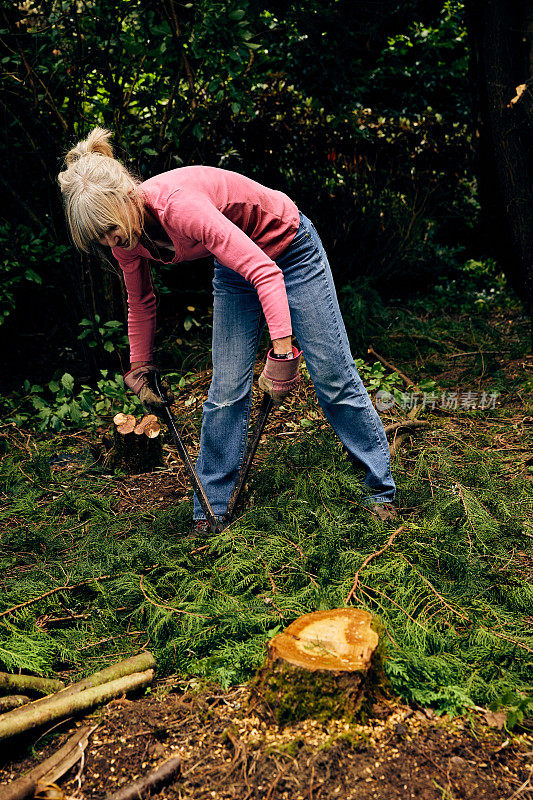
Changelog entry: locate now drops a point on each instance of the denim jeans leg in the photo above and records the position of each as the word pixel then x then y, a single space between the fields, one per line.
pixel 319 329
pixel 237 324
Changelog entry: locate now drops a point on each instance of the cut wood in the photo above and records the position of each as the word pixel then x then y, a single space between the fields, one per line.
pixel 138 663
pixel 50 770
pixel 136 447
pixel 152 430
pixel 28 683
pixel 146 420
pixel 32 716
pixel 318 666
pixel 128 425
pixel 154 780
pixel 13 701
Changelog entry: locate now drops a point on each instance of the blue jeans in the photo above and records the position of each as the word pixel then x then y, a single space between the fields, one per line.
pixel 317 324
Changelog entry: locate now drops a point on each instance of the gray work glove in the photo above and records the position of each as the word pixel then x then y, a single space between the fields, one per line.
pixel 280 376
pixel 141 381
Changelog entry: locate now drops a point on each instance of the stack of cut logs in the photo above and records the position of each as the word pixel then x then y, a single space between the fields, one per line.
pixel 113 681
pixel 136 445
pixel 62 701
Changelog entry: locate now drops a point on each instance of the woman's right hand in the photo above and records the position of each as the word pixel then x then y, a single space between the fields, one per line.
pixel 279 377
pixel 140 379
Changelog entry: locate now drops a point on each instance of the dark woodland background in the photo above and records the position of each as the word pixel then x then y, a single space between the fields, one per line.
pixel 390 124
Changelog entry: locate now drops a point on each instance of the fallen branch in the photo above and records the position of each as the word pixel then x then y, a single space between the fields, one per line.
pixel 138 663
pixel 143 786
pixel 57 707
pixel 368 559
pixel 52 591
pixel 406 424
pixel 12 701
pixel 477 353
pixel 16 683
pixel 396 442
pixel 50 770
pixel 405 379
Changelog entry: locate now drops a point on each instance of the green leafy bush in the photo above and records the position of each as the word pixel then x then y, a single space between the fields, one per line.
pixel 110 335
pixel 25 256
pixel 60 405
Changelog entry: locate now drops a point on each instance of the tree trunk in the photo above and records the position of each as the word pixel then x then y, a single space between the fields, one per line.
pixel 318 667
pixel 501 34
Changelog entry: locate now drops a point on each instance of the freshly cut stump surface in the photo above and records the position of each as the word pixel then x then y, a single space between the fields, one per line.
pixel 319 666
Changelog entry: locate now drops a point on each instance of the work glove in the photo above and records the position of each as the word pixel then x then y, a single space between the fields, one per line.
pixel 141 381
pixel 280 376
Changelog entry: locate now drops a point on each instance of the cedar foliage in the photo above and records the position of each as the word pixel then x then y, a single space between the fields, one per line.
pixel 448 594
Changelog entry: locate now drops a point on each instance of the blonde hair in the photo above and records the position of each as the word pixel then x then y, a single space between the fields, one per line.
pixel 98 192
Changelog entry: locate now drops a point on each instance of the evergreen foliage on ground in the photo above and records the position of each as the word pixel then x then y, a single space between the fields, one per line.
pixel 448 593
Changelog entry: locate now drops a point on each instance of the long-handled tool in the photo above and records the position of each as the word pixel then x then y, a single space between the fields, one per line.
pixel 215 525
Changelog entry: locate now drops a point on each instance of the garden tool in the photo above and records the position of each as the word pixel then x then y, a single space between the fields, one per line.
pixel 167 415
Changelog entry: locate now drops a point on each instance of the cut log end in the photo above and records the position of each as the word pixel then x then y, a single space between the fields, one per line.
pixel 320 666
pixel 146 422
pixel 341 639
pixel 128 425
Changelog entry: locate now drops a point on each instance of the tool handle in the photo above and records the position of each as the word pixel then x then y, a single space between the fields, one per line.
pixel 168 416
pixel 264 410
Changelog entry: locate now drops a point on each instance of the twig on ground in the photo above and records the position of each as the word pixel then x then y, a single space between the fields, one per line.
pixel 394 603
pixel 143 786
pixel 476 353
pixel 441 598
pixel 164 607
pixel 369 558
pixel 406 423
pixel 405 379
pixel 52 591
pixel 509 639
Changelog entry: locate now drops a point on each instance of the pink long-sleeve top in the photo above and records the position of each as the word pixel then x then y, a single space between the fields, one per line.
pixel 207 210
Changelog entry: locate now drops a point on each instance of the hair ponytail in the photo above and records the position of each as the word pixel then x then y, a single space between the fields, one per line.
pixel 98 191
pixel 96 142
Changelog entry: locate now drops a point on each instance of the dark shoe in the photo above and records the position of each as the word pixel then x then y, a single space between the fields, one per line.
pixel 384 511
pixel 200 528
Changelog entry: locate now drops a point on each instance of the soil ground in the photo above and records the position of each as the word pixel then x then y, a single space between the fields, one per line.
pixel 228 752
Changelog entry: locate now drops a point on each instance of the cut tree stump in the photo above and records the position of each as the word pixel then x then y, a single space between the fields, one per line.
pixel 320 666
pixel 136 445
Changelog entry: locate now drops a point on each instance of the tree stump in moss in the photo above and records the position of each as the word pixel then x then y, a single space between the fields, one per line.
pixel 136 445
pixel 320 666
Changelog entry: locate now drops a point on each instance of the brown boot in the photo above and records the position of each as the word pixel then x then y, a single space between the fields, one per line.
pixel 385 511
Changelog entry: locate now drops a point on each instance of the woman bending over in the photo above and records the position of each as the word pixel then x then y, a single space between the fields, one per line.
pixel 269 265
